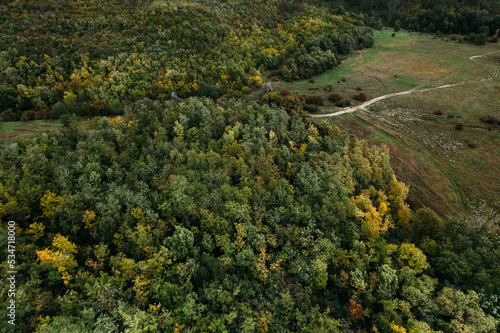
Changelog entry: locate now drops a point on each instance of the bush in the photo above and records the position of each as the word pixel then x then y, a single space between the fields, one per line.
pixel 310 108
pixel 438 113
pixel 43 114
pixel 397 26
pixel 65 107
pixel 481 39
pixel 9 115
pixel 288 103
pixel 328 87
pixel 361 97
pixel 67 119
pixel 315 100
pixel 343 103
pixel 284 92
pixel 28 115
pixel 334 97
pixel 358 88
pixel 459 126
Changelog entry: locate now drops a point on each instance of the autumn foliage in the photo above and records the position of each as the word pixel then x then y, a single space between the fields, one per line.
pixel 355 310
pixel 334 97
pixel 284 92
pixel 361 97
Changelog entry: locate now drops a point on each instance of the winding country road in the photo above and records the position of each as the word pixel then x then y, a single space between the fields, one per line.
pixel 407 92
pixel 454 185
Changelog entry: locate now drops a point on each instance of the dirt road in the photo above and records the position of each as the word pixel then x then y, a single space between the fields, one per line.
pixel 407 92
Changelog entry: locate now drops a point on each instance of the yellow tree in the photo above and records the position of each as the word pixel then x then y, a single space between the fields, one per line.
pixel 62 257
pixel 376 219
pixel 50 202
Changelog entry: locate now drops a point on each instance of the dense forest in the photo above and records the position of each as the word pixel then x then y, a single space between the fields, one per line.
pixel 215 217
pixel 161 207
pixel 91 58
pixel 479 19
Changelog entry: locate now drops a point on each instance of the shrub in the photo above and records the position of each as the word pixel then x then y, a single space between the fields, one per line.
pixel 9 115
pixel 334 97
pixel 310 108
pixel 311 80
pixel 459 126
pixel 286 102
pixel 315 100
pixel 428 117
pixel 328 87
pixel 438 113
pixel 343 103
pixel 481 39
pixel 397 26
pixel 28 115
pixel 43 114
pixel 361 97
pixel 284 92
pixel 358 88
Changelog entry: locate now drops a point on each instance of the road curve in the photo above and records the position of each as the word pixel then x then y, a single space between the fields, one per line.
pixel 411 91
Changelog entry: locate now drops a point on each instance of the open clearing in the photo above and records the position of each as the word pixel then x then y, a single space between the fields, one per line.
pixel 443 166
pixel 16 129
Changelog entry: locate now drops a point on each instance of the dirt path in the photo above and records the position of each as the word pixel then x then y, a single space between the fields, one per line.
pixel 407 92
pixel 454 185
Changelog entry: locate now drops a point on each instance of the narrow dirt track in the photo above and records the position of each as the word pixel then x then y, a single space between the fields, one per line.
pixel 454 185
pixel 407 92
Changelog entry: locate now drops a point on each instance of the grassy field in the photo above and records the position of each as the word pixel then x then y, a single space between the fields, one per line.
pixel 444 167
pixel 16 129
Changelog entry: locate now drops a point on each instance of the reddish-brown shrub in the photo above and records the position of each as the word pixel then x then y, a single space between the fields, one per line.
pixel 334 97
pixel 438 113
pixel 315 100
pixel 362 97
pixel 284 92
pixel 42 114
pixel 28 115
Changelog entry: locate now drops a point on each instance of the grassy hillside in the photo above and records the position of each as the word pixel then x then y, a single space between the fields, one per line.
pixel 448 157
